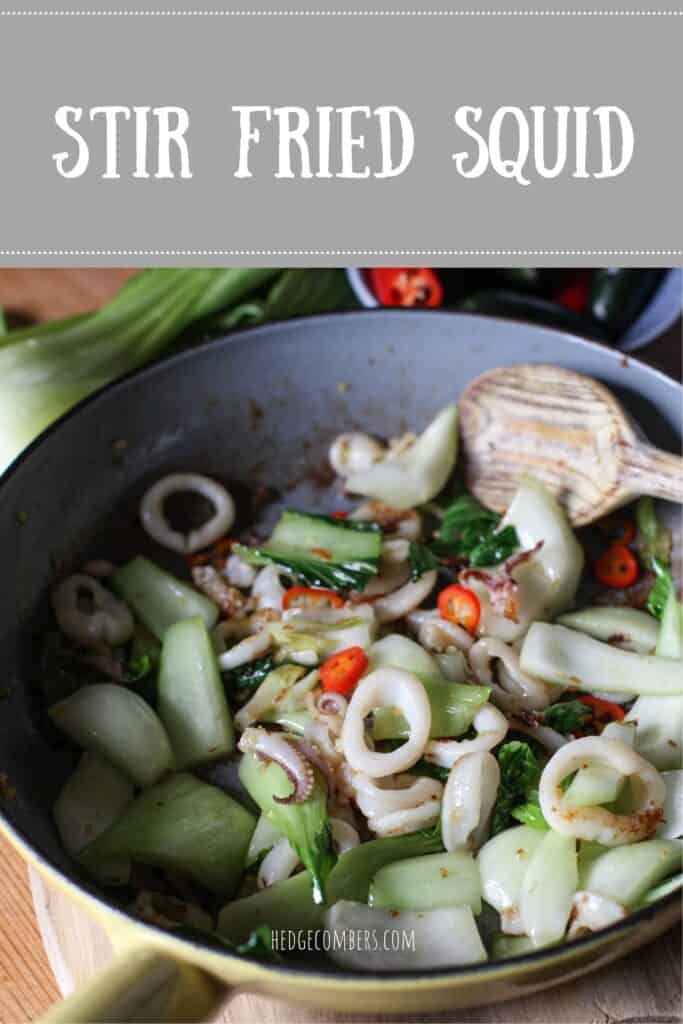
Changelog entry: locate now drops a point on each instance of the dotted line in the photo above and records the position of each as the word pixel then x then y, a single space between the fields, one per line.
pixel 342 14
pixel 341 252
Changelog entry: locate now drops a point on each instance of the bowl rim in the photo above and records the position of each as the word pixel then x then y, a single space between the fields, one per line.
pixel 639 333
pixel 83 890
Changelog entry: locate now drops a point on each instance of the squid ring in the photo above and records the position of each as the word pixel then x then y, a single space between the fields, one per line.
pixel 468 800
pixel 354 453
pixel 249 649
pixel 514 690
pixel 406 599
pixel 412 804
pixel 277 865
pixel 438 635
pixel 158 527
pixel 391 687
pixel 598 823
pixel 344 836
pixel 108 622
pixel 491 725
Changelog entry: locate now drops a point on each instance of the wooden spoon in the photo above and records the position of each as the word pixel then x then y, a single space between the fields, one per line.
pixel 566 430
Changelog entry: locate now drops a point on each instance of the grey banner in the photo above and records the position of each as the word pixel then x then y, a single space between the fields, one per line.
pixel 428 65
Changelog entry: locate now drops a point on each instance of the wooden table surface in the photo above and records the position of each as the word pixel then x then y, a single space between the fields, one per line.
pixel 637 989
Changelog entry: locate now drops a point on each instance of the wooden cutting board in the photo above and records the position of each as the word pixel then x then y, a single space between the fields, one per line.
pixel 645 987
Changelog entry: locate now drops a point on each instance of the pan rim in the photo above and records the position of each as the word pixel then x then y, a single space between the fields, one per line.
pixel 301 973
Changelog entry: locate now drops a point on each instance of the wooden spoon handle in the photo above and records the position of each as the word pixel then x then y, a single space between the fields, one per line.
pixel 647 470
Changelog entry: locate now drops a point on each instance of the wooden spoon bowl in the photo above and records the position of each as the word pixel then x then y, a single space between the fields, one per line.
pixel 566 430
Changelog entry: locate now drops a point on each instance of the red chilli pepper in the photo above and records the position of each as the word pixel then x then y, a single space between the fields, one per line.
pixel 575 293
pixel 322 553
pixel 604 710
pixel 311 598
pixel 460 605
pixel 616 567
pixel 341 672
pixel 406 286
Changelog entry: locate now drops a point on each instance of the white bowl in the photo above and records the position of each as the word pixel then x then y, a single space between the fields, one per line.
pixel 661 312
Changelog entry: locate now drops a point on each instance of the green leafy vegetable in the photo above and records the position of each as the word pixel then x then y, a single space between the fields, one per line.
pixel 312 572
pixel 422 767
pixel 248 677
pixel 654 540
pixel 259 945
pixel 530 813
pixel 519 776
pixel 306 824
pixel 471 531
pixel 296 292
pixel 654 549
pixel 662 588
pixel 495 548
pixel 422 560
pixel 300 292
pixel 566 717
pixel 320 551
pixel 137 669
pixel 290 904
pixel 465 512
pixel 359 525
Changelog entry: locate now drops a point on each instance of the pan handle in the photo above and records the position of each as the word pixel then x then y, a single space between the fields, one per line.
pixel 142 985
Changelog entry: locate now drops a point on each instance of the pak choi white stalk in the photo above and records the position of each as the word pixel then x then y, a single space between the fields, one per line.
pixel 623 627
pixel 548 888
pixel 47 368
pixel 418 473
pixel 562 656
pixel 659 720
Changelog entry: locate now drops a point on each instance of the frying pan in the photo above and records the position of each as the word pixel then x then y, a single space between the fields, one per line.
pixel 258 407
